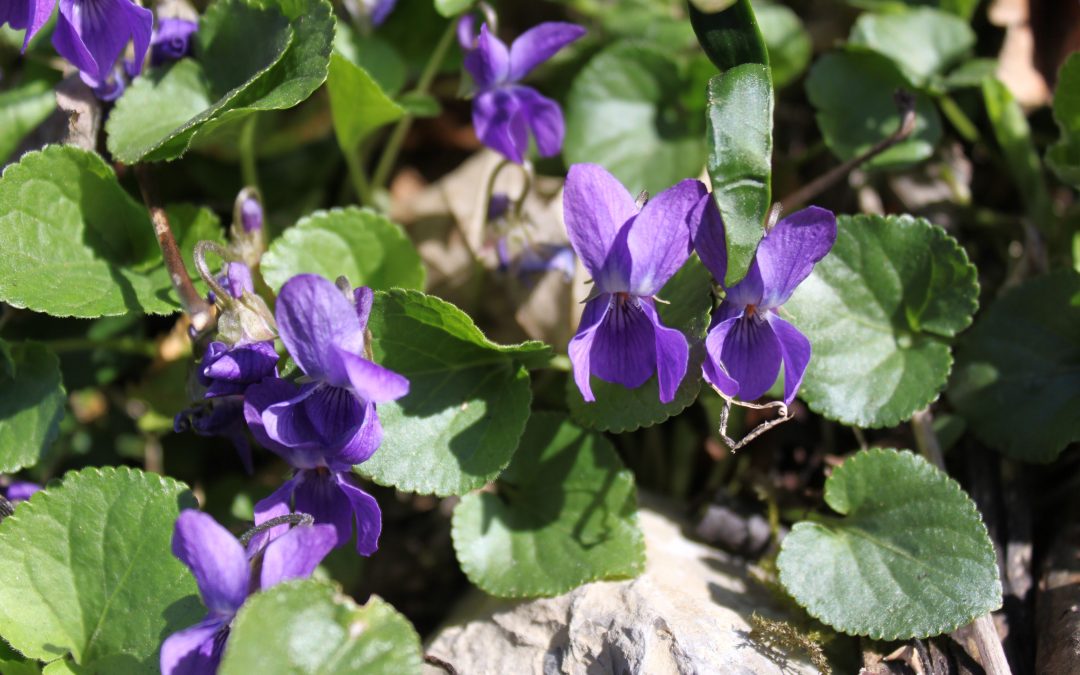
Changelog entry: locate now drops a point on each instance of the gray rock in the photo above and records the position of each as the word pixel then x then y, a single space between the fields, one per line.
pixel 687 614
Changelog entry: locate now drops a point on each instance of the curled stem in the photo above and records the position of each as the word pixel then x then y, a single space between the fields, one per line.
pixel 197 308
pixel 287 519
pixel 785 415
pixel 201 249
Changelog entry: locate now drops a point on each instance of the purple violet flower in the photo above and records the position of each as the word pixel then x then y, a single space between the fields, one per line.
pixel 378 10
pixel 504 112
pixel 28 15
pixel 19 490
pixel 227 575
pixel 747 339
pixel 171 40
pixel 93 34
pixel 630 255
pixel 251 214
pixel 328 424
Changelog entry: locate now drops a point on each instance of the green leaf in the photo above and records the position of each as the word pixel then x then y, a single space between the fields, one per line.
pixel 1017 379
pixel 375 55
pixel 689 301
pixel 358 104
pixel 75 243
pixel 564 513
pixel 13 663
pixel 268 55
pixel 418 104
pixel 1064 156
pixel 31 405
pixel 971 74
pixel 730 36
pixel 89 571
pixel 359 243
pixel 1014 136
pixel 879 311
pixel 788 42
pixel 622 113
pixel 852 125
pixel 21 111
pixel 740 125
pixel 911 558
pixel 450 8
pixel 310 627
pixel 468 397
pixel 923 42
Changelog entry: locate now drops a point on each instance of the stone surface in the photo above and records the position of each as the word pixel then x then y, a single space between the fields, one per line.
pixel 688 614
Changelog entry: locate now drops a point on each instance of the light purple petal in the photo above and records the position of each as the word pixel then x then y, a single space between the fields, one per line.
pixel 750 290
pixel 751 356
pixel 216 559
pixel 544 118
pixel 278 503
pixel 230 371
pixel 296 554
pixel 363 297
pixel 361 446
pixel 171 40
pixel 795 351
pixel 672 353
pixel 238 279
pixel 624 349
pixel 372 382
pixel 712 368
pixel 319 494
pixel 500 123
pixel 366 513
pixel 313 319
pixel 466 32
pixel 287 423
pixel 540 43
pixel 787 254
pixel 596 206
pixel 707 228
pixel 381 11
pixel 21 490
pixel 580 348
pixel 489 63
pixel 659 239
pixel 196 650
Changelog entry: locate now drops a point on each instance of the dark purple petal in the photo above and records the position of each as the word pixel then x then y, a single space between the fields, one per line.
pixel 659 239
pixel 580 347
pixel 596 207
pixel 489 63
pixel 366 513
pixel 372 382
pixel 624 349
pixel 500 123
pixel 30 15
pixel 707 230
pixel 361 446
pixel 319 494
pixel 750 290
pixel 787 254
pixel 544 118
pixel 278 503
pixel 751 356
pixel 219 416
pixel 336 417
pixel 296 554
pixel 20 490
pixel 93 34
pixel 672 353
pixel 712 368
pixel 274 392
pixel 313 319
pixel 226 371
pixel 287 423
pixel 538 44
pixel 795 351
pixel 363 297
pixel 196 650
pixel 171 40
pixel 216 559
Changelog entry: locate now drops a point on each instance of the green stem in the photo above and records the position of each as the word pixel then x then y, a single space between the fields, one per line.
pixel 958 118
pixel 359 181
pixel 248 161
pixel 124 345
pixel 397 136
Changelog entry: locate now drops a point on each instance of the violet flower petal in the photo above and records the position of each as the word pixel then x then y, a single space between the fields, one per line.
pixel 751 356
pixel 313 318
pixel 540 43
pixel 544 118
pixel 216 559
pixel 366 513
pixel 794 350
pixel 333 414
pixel 196 650
pixel 672 353
pixel 276 504
pixel 580 347
pixel 707 230
pixel 21 490
pixel 362 445
pixel 624 349
pixel 93 34
pixel 659 239
pixel 372 382
pixel 171 40
pixel 596 206
pixel 363 298
pixel 489 62
pixel 466 32
pixel 258 398
pixel 712 368
pixel 381 11
pixel 500 123
pixel 296 554
pixel 319 494
pixel 30 15
pixel 230 370
pixel 287 424
pixel 787 254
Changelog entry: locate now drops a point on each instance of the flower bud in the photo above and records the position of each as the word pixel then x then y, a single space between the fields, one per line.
pixel 248 240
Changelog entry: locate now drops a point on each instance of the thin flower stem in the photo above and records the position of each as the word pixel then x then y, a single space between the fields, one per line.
pixel 202 318
pixel 905 104
pixel 249 166
pixel 733 445
pixel 397 136
pixel 359 181
pixel 985 633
